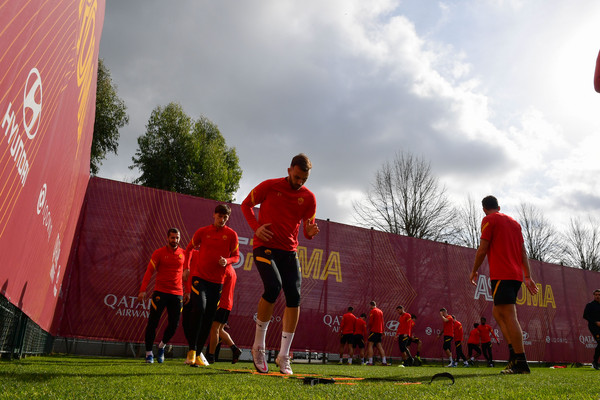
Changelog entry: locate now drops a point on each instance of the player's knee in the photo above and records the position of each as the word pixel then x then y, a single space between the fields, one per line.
pixel 292 299
pixel 271 292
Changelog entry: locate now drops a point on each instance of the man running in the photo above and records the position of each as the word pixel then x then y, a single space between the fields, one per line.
pixel 168 262
pixel 219 248
pixel 448 333
pixel 284 204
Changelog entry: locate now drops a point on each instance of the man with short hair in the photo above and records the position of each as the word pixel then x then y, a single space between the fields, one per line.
pixel 284 204
pixel 360 331
pixel 448 333
pixel 592 315
pixel 404 328
pixel 347 335
pixel 473 343
pixel 458 337
pixel 168 262
pixel 503 245
pixel 218 248
pixel 414 339
pixel 376 332
pixel 485 333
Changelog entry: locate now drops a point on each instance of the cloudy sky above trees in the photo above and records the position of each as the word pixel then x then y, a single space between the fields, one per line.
pixel 497 95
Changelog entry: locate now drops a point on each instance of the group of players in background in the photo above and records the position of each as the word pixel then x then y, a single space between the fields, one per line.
pixel 286 206
pixel 353 331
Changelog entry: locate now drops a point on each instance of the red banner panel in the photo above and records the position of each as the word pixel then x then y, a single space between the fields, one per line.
pixel 122 224
pixel 48 67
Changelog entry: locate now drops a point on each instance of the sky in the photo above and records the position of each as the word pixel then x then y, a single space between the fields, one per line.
pixel 497 95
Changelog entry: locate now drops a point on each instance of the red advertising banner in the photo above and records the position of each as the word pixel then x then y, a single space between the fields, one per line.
pixel 48 69
pixel 122 224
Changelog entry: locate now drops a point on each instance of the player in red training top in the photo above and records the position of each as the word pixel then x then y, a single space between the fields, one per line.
pixel 284 203
pixel 168 263
pixel 448 334
pixel 502 242
pixel 376 333
pixel 458 337
pixel 485 333
pixel 219 248
pixel 473 343
pixel 414 339
pixel 347 335
pixel 597 74
pixel 404 337
pixel 360 331
pixel 222 315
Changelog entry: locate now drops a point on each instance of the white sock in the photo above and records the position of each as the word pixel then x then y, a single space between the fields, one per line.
pixel 161 345
pixel 383 360
pixel 350 361
pixel 370 360
pixel 286 343
pixel 261 333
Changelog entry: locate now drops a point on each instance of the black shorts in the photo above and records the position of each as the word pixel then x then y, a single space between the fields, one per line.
pixel 221 316
pixel 448 342
pixel 375 337
pixel 347 338
pixel 414 339
pixel 279 270
pixel 359 341
pixel 505 292
pixel 403 342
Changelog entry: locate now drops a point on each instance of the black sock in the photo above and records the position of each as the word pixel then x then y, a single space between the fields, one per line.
pixel 511 352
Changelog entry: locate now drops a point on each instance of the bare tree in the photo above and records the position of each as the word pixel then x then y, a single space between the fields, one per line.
pixel 542 241
pixel 407 199
pixel 582 245
pixel 468 224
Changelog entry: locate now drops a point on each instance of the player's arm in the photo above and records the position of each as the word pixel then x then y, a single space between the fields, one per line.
pixel 482 250
pixel 310 227
pixel 597 74
pixel 529 283
pixel 149 271
pixel 234 253
pixel 255 197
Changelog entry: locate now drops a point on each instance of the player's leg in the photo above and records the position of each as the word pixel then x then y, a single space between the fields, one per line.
pixel 174 305
pixel 267 269
pixel 212 295
pixel 157 305
pixel 382 353
pixel 215 331
pixel 291 279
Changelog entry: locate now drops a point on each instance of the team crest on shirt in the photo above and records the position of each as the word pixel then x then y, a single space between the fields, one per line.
pixel 180 256
pixel 268 252
pixel 224 237
pixel 300 200
pixel 157 298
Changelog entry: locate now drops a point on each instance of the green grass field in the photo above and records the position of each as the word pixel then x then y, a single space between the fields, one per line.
pixel 61 377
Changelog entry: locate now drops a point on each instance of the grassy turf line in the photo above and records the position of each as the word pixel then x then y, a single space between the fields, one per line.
pixel 116 378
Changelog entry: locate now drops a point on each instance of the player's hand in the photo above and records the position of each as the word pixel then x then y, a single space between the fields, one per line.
pixel 222 262
pixel 141 296
pixel 186 298
pixel 264 233
pixel 473 278
pixel 531 286
pixel 311 228
pixel 186 275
